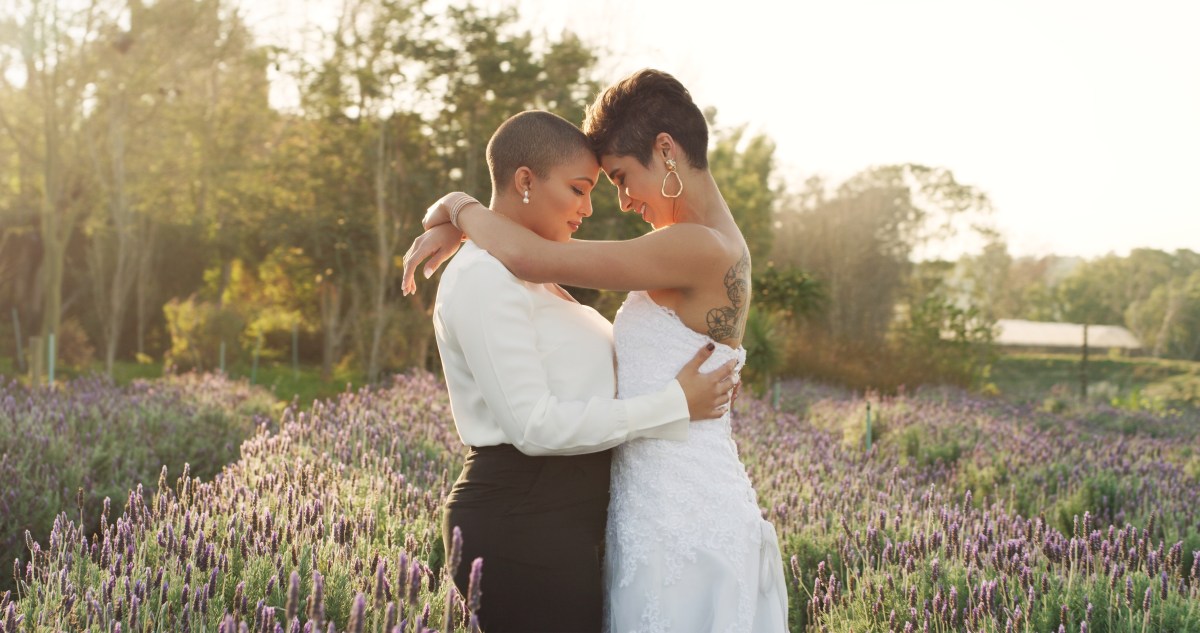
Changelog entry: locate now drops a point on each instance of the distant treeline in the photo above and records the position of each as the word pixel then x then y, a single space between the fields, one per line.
pixel 154 206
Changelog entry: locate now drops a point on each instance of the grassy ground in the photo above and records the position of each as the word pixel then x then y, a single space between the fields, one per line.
pixel 1021 377
pixel 306 384
pixel 1034 376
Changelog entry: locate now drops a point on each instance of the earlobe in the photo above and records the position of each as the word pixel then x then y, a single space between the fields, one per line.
pixel 522 180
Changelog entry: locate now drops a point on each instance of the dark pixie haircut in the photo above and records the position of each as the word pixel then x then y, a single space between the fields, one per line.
pixel 627 116
pixel 535 139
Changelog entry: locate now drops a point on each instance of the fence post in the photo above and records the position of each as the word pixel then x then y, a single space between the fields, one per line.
pixel 254 366
pixel 17 332
pixel 1083 377
pixel 50 354
pixel 36 361
pixel 868 435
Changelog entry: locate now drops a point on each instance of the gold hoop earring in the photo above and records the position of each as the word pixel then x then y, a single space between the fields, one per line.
pixel 525 199
pixel 671 171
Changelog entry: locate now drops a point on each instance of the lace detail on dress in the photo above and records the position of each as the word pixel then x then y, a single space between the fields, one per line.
pixel 685 537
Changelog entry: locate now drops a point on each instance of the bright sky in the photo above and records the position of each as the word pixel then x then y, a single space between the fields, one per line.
pixel 1080 119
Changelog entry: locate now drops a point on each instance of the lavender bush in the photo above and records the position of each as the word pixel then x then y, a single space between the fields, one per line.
pixel 977 515
pixel 330 523
pixel 967 515
pixel 70 447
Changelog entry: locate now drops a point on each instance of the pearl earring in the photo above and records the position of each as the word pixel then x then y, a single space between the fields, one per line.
pixel 525 198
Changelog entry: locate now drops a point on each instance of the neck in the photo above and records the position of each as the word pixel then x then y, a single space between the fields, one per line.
pixel 510 208
pixel 701 202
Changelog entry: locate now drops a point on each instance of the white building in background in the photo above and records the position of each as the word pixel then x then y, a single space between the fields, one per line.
pixel 1017 333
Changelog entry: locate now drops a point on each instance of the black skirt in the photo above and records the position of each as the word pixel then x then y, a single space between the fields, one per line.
pixel 538 523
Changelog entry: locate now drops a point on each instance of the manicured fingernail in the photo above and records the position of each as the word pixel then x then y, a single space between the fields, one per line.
pixel 428 273
pixel 710 347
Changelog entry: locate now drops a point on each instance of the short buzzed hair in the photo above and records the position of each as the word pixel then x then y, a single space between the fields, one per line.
pixel 535 139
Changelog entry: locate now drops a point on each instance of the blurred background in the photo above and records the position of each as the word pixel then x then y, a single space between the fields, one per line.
pixel 924 186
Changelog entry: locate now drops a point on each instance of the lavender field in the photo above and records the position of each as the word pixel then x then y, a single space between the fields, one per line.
pixel 968 514
pixel 68 449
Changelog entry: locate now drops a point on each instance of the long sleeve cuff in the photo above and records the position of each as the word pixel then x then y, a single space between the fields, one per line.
pixel 661 415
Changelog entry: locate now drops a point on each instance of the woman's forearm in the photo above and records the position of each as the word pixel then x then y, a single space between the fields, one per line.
pixel 436 215
pixel 441 212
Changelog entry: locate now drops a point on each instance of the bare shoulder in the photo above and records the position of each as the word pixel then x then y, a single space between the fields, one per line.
pixel 707 244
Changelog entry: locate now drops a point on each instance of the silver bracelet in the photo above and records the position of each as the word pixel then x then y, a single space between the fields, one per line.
pixel 458 207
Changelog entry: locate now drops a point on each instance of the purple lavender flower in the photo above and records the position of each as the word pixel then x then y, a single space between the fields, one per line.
pixel 379 591
pixel 293 596
pixel 389 616
pixel 357 614
pixel 475 587
pixel 456 543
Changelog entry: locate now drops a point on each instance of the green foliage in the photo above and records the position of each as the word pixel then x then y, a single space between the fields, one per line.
pixel 918 446
pixel 857 242
pixel 1100 495
pixel 787 291
pixel 74 348
pixel 1134 383
pixel 395 112
pixel 763 354
pixel 198 330
pixel 850 426
pixel 1153 293
pixel 781 297
pixel 946 344
pixel 1168 320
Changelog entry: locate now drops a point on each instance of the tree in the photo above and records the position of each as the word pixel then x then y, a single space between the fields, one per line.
pixel 44 125
pixel 859 241
pixel 1168 320
pixel 941 341
pixel 986 278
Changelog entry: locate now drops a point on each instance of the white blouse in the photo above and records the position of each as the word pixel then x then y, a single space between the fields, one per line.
pixel 524 366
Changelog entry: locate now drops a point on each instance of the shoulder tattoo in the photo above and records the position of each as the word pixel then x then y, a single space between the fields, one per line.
pixel 729 321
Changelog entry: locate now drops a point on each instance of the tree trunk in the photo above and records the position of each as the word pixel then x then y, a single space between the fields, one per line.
pixel 226 279
pixel 383 255
pixel 336 319
pixel 330 309
pixel 144 280
pixel 59 99
pixel 53 247
pixel 52 268
pixel 124 272
pixel 1162 340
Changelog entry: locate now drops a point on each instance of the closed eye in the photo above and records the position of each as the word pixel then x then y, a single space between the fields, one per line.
pixel 577 191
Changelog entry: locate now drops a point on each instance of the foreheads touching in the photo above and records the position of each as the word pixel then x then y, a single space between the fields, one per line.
pixel 627 117
pixel 535 139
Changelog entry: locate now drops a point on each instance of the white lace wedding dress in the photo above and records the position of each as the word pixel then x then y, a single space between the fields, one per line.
pixel 687 549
